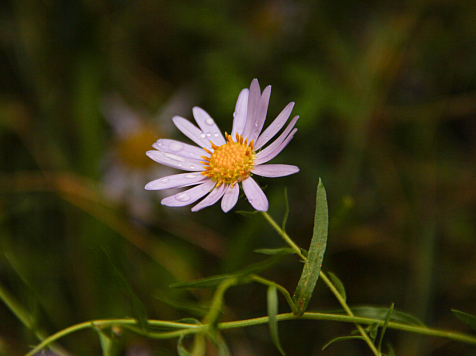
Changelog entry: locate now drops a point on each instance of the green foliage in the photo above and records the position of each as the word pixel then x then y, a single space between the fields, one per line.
pixel 272 297
pixel 380 313
pixel 338 284
pixel 386 93
pixel 466 318
pixel 312 266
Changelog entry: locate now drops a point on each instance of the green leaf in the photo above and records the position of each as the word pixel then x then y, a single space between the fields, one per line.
pixel 275 251
pixel 338 284
pixel 373 330
pixel 391 351
pixel 180 348
pixel 384 328
pixel 466 318
pixel 342 338
pixel 108 345
pixel 312 266
pixel 179 303
pixel 246 213
pixel 272 297
pixel 207 282
pixel 286 212
pixel 138 308
pixel 219 341
pixel 380 313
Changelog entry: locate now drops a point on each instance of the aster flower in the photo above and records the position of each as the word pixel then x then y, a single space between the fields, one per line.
pixel 124 165
pixel 222 162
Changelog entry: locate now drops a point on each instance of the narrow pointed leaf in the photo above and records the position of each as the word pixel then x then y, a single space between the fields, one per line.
pixel 108 346
pixel 384 328
pixel 312 267
pixel 380 313
pixel 342 338
pixel 275 251
pixel 272 297
pixel 466 318
pixel 207 282
pixel 338 284
pixel 180 348
pixel 222 346
pixel 373 330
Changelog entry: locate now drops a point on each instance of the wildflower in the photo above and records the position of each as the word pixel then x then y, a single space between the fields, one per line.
pixel 223 162
pixel 124 166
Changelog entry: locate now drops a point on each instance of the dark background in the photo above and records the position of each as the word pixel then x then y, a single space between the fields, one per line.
pixel 386 92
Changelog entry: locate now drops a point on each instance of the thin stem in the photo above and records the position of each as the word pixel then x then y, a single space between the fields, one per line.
pixel 326 280
pixel 194 328
pixel 349 312
pixel 285 236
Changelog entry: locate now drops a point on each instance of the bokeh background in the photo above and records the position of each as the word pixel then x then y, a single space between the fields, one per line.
pixel 386 92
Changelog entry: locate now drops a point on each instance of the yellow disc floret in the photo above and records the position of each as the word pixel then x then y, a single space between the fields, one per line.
pixel 229 163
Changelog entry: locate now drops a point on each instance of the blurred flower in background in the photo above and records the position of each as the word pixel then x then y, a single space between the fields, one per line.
pixel 126 168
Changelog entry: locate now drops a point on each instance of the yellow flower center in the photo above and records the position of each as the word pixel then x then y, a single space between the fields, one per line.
pixel 229 163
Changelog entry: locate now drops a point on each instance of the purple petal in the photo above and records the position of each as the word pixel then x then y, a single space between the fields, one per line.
pixel 175 161
pixel 264 153
pixel 191 131
pixel 255 195
pixel 274 170
pixel 261 114
pixel 277 150
pixel 239 116
pixel 211 198
pixel 253 101
pixel 230 198
pixel 208 126
pixel 189 196
pixel 176 181
pixel 179 148
pixel 275 126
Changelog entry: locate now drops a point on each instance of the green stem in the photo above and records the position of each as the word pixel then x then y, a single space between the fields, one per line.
pixel 326 280
pixel 184 329
pixel 105 324
pixel 285 236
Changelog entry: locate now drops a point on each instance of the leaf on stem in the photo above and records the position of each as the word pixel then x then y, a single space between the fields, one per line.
pixel 220 343
pixel 338 284
pixel 384 328
pixel 272 297
pixel 380 313
pixel 108 344
pixel 312 266
pixel 180 348
pixel 275 251
pixel 466 318
pixel 342 338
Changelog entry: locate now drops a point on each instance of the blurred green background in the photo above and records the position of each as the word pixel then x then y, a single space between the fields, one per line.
pixel 386 92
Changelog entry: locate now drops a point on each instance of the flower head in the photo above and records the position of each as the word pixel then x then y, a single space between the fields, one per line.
pixel 221 163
